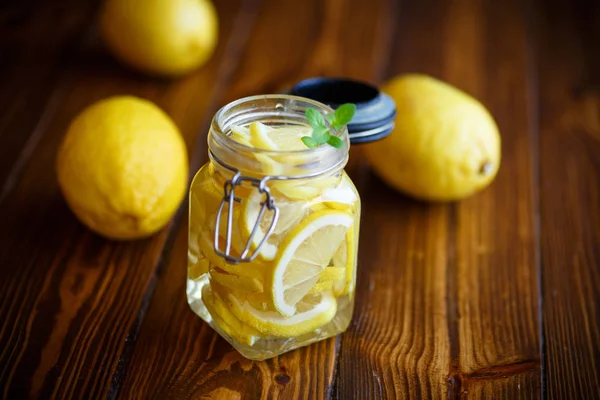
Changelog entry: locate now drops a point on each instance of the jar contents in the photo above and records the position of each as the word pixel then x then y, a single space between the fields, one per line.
pixel 299 288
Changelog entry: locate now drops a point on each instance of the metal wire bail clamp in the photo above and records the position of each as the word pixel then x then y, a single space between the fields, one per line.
pixel 268 203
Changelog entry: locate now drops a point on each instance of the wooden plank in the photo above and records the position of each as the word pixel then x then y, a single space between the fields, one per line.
pixel 177 355
pixel 69 300
pixel 496 270
pixel 523 385
pixel 467 307
pixel 390 350
pixel 568 67
pixel 38 41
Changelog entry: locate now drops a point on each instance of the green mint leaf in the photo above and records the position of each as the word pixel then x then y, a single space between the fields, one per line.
pixel 344 114
pixel 315 118
pixel 320 135
pixel 335 142
pixel 311 115
pixel 308 141
pixel 334 122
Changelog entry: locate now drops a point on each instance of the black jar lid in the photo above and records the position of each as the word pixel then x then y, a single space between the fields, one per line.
pixel 375 111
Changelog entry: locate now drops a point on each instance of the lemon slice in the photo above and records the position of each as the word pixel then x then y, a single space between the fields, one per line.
pixel 314 311
pixel 306 251
pixel 328 277
pixel 241 135
pixel 237 282
pixel 305 190
pixel 322 287
pixel 269 166
pixel 244 277
pixel 341 197
pixel 233 331
pixel 259 300
pixel 198 269
pixel 344 258
pixel 254 269
pixel 318 207
pixel 262 300
pixel 237 243
pixel 204 199
pixel 289 214
pixel 206 247
pixel 289 137
pixel 259 137
pixel 225 320
pixel 285 138
pixel 296 191
pixel 331 274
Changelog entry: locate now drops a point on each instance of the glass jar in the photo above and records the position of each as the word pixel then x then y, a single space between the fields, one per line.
pixel 273 234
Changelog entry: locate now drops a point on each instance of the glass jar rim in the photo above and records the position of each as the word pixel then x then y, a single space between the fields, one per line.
pixel 266 106
pixel 218 123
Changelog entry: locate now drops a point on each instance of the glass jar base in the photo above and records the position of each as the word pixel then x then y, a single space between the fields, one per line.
pixel 263 348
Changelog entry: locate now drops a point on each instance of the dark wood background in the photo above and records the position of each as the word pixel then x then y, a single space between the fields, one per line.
pixel 496 296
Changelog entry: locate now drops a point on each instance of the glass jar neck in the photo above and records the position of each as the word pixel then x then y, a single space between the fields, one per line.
pixel 273 110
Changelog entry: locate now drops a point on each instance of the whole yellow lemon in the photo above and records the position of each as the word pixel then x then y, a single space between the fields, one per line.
pixel 445 145
pixel 123 168
pixel 162 37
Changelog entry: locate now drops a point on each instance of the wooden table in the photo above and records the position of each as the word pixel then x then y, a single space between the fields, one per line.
pixel 497 296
